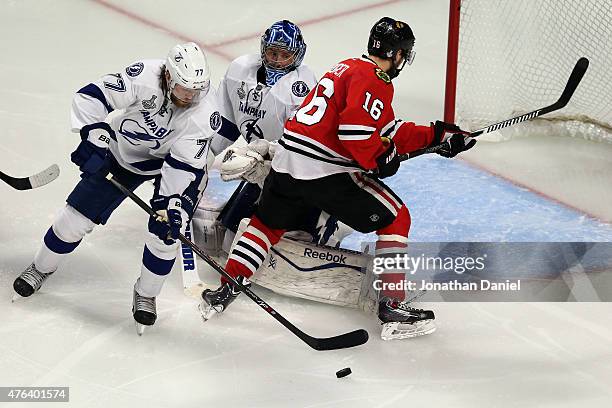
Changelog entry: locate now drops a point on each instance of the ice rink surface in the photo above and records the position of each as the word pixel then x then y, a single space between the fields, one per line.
pixel 78 330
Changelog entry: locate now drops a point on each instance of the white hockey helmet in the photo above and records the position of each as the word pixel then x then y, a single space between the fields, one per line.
pixel 188 67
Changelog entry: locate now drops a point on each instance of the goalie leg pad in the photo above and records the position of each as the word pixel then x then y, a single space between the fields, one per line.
pixel 318 273
pixel 207 231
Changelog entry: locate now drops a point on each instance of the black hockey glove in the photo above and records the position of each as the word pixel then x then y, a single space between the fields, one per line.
pixel 388 162
pixel 456 144
pixel 167 225
pixel 453 139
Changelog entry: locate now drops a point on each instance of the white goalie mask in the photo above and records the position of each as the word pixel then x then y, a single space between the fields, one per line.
pixel 189 75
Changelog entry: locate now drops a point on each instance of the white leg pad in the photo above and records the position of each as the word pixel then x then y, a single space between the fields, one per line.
pixel 319 273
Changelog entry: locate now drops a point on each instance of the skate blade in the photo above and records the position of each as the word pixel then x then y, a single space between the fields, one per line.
pixel 206 311
pixel 140 328
pixel 16 297
pixel 399 331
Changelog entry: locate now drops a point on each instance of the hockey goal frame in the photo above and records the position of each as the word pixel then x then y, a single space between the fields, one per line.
pixel 452 57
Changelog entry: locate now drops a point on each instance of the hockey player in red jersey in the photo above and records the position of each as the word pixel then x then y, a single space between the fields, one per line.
pixel 344 131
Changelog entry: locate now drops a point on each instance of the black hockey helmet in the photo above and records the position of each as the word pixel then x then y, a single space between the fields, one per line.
pixel 387 37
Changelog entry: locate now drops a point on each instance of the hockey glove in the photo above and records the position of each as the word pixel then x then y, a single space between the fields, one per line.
pixel 169 221
pixel 90 154
pixel 456 144
pixel 388 162
pixel 250 163
pixel 453 139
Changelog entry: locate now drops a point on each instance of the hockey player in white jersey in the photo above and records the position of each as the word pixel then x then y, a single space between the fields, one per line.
pixel 258 93
pixel 163 133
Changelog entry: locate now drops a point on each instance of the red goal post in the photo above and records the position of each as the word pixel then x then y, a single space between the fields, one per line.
pixel 508 57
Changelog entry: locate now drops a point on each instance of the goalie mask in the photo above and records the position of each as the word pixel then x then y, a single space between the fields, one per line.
pixel 282 50
pixel 388 37
pixel 187 74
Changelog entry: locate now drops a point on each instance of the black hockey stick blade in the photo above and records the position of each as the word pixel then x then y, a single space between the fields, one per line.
pixel 27 183
pixel 570 87
pixel 572 84
pixel 346 340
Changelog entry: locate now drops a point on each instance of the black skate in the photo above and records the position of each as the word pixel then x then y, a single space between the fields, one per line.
pixel 216 301
pixel 400 321
pixel 144 311
pixel 29 281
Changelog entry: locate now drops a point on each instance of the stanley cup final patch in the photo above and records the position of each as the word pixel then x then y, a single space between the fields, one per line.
pixel 300 89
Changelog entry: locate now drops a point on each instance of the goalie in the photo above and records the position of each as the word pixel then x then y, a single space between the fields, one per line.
pixel 257 94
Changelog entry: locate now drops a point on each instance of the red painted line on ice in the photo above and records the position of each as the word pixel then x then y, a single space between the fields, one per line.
pixel 157 26
pixel 214 48
pixel 311 21
pixel 537 192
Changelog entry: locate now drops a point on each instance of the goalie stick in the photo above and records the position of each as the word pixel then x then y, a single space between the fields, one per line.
pixel 346 340
pixel 571 85
pixel 192 285
pixel 27 183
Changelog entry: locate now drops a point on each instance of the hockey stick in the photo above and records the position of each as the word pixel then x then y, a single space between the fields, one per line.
pixel 571 85
pixel 27 183
pixel 346 340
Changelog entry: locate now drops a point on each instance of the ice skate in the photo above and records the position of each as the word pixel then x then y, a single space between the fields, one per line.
pixel 400 321
pixel 216 301
pixel 29 282
pixel 144 311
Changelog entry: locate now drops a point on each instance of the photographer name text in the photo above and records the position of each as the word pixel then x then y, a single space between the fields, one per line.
pixel 454 285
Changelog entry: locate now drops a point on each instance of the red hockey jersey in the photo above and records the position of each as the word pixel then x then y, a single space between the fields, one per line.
pixel 339 126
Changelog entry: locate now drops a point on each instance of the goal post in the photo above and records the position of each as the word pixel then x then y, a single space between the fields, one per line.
pixel 509 57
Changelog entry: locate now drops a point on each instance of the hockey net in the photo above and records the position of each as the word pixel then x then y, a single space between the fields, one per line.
pixel 514 56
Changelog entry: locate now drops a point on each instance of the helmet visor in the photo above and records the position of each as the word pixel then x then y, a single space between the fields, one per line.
pixel 409 56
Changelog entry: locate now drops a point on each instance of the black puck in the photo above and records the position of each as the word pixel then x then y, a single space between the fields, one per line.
pixel 343 373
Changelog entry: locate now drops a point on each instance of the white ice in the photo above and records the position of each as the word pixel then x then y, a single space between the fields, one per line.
pixel 78 330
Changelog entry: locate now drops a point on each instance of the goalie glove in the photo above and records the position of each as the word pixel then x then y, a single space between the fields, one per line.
pixel 251 163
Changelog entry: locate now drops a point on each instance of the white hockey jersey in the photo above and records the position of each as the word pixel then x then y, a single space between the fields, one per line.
pixel 254 110
pixel 152 136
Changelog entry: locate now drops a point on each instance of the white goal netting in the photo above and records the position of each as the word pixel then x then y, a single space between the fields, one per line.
pixel 515 56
